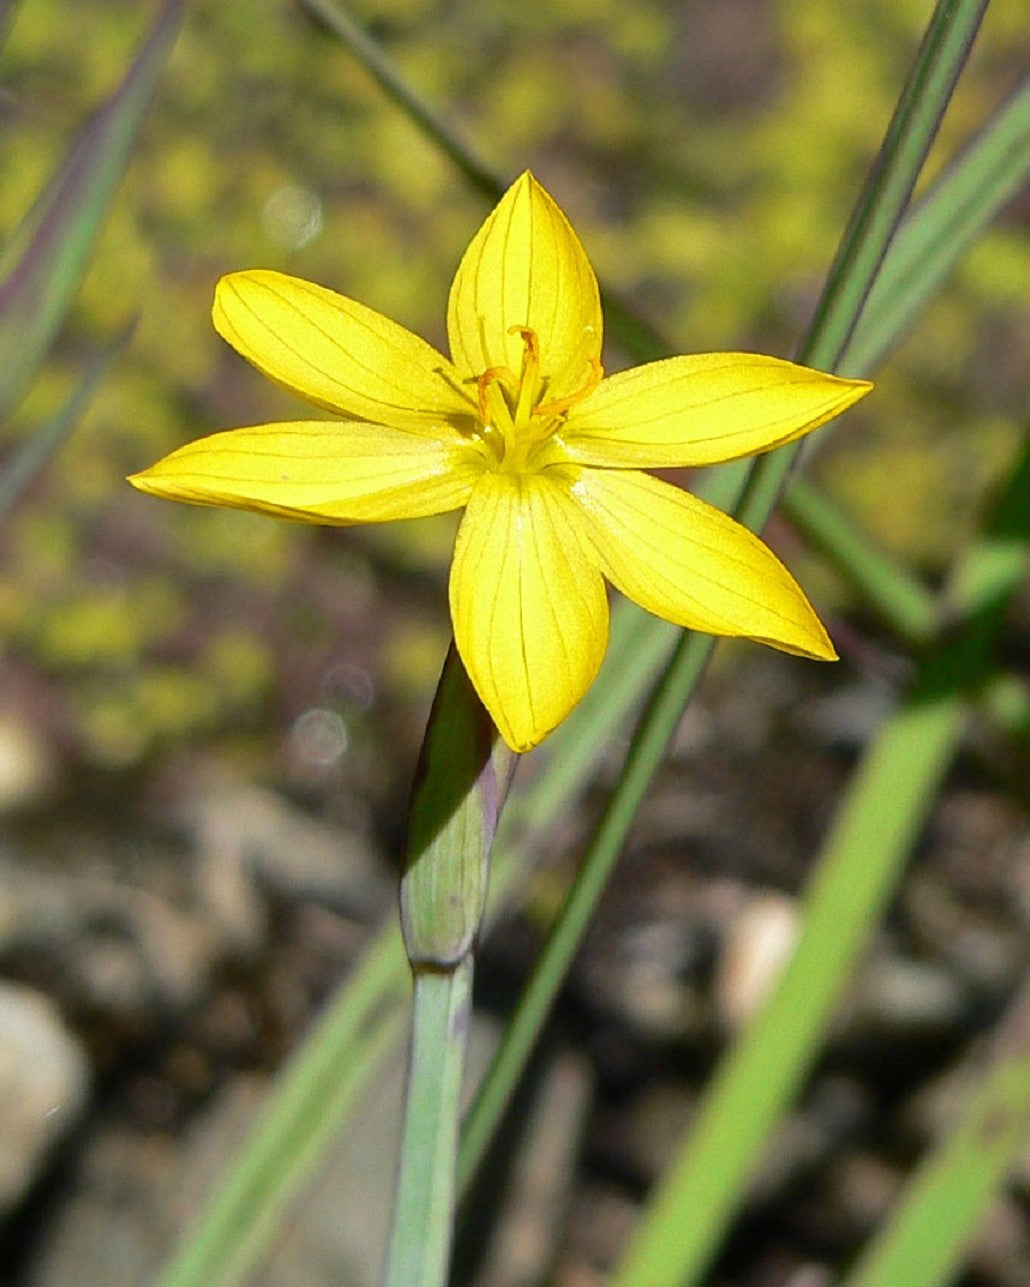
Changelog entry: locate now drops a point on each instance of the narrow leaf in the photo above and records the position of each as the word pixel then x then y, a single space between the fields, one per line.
pixel 886 804
pixel 25 463
pixel 963 202
pixel 41 266
pixel 940 1211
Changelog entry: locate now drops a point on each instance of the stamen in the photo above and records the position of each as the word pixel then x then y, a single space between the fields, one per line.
pixel 558 405
pixel 495 375
pixel 529 339
pixel 529 378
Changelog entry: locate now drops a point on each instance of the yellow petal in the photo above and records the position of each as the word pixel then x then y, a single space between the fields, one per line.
pixel 338 354
pixel 689 563
pixel 528 605
pixel 318 472
pixel 702 409
pixel 526 267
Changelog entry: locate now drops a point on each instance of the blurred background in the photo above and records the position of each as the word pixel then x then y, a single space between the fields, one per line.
pixel 208 720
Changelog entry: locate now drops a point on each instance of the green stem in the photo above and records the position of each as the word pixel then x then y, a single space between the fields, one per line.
pixel 687 1215
pixel 752 492
pixel 392 83
pixel 461 784
pixel 897 597
pixel 940 60
pixel 887 801
pixel 623 324
pixel 931 1228
pixel 420 1242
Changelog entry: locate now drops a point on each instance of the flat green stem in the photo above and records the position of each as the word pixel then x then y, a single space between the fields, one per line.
pixel 622 323
pixel 857 870
pixel 754 491
pixel 940 1211
pixel 886 803
pixel 420 1242
pixel 439 131
pixel 313 1097
pixel 915 121
pixel 897 597
pixel 961 204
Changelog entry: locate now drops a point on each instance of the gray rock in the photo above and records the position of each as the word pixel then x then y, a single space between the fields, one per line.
pixel 44 1080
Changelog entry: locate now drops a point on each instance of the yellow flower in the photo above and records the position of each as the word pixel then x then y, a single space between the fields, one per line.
pixel 522 429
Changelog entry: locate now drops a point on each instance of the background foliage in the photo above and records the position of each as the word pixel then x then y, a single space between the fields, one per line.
pixel 708 155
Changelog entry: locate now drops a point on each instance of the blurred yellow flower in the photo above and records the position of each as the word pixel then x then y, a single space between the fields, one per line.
pixel 522 429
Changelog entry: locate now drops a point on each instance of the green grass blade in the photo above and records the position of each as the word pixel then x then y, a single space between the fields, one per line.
pixel 900 599
pixel 885 805
pixel 962 203
pixel 25 464
pixel 349 31
pixel 887 801
pixel 753 489
pixel 928 1233
pixel 623 324
pixel 312 1099
pixel 968 196
pixel 7 12
pixel 912 129
pixel 42 264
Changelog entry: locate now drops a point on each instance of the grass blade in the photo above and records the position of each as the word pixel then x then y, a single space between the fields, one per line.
pixel 24 465
pixel 312 1099
pixel 939 1213
pixel 885 806
pixel 912 129
pixel 298 1124
pixel 754 490
pixel 900 599
pixel 41 266
pixel 963 202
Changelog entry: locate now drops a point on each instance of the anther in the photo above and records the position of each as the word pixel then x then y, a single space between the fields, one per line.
pixel 558 405
pixel 495 375
pixel 529 339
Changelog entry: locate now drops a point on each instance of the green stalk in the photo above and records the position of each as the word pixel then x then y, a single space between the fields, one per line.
pixel 439 131
pixel 755 493
pixel 886 803
pixel 897 597
pixel 937 1218
pixel 423 1217
pixel 962 203
pixel 323 1080
pixel 27 461
pixel 940 60
pixel 461 784
pixel 622 323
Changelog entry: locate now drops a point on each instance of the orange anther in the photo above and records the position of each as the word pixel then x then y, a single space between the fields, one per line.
pixel 558 405
pixel 495 375
pixel 529 339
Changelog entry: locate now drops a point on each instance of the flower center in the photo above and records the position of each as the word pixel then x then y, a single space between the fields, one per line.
pixel 513 416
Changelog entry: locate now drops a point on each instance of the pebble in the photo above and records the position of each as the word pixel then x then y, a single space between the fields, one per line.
pixel 44 1082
